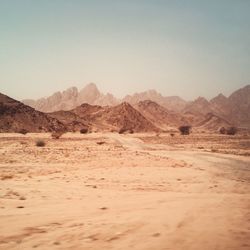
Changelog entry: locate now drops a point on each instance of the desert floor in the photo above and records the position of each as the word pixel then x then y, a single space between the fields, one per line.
pixel 111 191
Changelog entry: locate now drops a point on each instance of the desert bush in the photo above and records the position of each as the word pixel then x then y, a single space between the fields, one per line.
pixel 228 131
pixel 23 131
pixel 57 134
pixel 84 131
pixel 185 130
pixel 122 131
pixel 222 130
pixel 40 143
pixel 100 142
pixel 172 134
pixel 126 130
pixel 231 131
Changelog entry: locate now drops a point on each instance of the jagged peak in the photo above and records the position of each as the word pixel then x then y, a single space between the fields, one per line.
pixel 219 97
pixel 201 99
pixel 124 104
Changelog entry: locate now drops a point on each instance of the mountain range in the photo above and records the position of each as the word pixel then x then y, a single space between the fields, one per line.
pixel 72 110
pixel 235 108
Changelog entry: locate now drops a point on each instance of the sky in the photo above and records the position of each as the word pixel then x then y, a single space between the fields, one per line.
pixel 188 48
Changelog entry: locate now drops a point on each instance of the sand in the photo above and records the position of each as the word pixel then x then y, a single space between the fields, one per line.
pixel 111 191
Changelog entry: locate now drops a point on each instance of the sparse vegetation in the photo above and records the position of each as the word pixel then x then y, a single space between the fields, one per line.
pixel 172 134
pixel 231 131
pixel 57 134
pixel 228 131
pixel 126 130
pixel 40 143
pixel 100 142
pixel 185 130
pixel 222 130
pixel 23 131
pixel 84 131
pixel 122 131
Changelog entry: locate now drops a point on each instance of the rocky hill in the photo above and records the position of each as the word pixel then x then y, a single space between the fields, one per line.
pixel 15 116
pixel 240 107
pixel 213 122
pixel 70 120
pixel 114 118
pixel 160 116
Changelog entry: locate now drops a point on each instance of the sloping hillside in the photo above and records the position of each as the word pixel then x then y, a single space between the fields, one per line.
pixel 15 116
pixel 122 116
pixel 160 116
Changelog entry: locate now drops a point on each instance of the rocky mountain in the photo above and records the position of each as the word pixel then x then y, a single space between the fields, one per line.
pixel 240 107
pixel 107 118
pixel 15 116
pixel 170 102
pixel 234 109
pixel 220 104
pixel 90 94
pixel 114 118
pixel 72 98
pixel 160 116
pixel 70 120
pixel 213 122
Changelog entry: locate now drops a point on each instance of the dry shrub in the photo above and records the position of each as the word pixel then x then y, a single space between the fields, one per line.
pixel 23 131
pixel 231 131
pixel 126 130
pixel 40 143
pixel 172 134
pixel 100 142
pixel 222 130
pixel 122 131
pixel 185 130
pixel 57 134
pixel 228 131
pixel 84 131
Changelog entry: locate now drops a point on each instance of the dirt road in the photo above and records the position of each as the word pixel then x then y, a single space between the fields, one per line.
pixel 123 194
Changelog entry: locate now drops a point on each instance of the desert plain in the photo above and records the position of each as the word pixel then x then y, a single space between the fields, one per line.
pixel 130 191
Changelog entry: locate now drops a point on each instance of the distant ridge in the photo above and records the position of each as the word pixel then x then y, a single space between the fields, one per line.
pixel 233 110
pixel 71 98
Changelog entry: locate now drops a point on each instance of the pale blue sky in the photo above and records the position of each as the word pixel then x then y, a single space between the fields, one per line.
pixel 187 48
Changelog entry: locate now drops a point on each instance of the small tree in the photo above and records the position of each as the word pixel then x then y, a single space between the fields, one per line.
pixel 222 130
pixel 185 130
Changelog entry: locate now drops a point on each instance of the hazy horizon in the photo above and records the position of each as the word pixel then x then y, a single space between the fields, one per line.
pixel 189 49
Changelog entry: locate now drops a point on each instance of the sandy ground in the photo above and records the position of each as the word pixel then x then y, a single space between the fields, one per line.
pixel 111 191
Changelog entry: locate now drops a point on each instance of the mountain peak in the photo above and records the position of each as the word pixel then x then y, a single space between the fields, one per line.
pixel 91 86
pixel 201 100
pixel 219 98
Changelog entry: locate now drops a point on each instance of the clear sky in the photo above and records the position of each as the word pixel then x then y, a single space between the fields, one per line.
pixel 188 48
